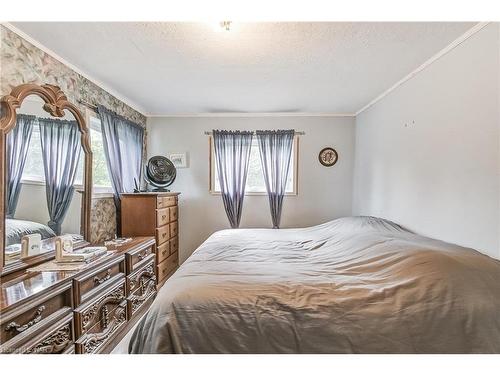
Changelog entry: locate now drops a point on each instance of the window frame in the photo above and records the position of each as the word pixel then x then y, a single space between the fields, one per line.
pixel 211 170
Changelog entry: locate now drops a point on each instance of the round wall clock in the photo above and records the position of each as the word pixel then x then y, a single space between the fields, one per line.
pixel 328 157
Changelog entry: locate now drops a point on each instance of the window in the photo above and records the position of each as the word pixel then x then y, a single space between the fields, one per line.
pixel 100 176
pixel 255 184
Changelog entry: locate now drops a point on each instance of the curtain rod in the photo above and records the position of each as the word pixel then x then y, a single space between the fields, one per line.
pixel 296 133
pixel 88 105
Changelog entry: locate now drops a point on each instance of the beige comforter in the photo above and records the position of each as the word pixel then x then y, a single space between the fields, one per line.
pixel 353 285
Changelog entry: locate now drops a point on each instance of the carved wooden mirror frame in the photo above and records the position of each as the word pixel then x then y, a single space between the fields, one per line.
pixel 56 103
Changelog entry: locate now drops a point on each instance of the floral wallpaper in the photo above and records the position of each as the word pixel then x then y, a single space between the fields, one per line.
pixel 102 220
pixel 22 62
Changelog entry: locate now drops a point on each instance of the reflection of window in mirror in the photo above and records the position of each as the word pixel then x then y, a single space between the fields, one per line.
pixel 33 172
pixel 100 177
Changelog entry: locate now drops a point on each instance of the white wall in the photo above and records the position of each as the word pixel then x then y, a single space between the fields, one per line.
pixel 324 193
pixel 427 155
pixel 32 205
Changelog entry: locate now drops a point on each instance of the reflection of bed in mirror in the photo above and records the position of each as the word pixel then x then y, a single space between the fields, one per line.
pixel 16 229
pixel 42 148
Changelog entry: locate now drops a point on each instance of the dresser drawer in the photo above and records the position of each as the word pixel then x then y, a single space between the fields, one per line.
pixel 166 267
pixel 174 245
pixel 162 234
pixel 86 283
pixel 57 339
pixel 140 277
pixel 96 338
pixel 96 311
pixel 159 202
pixel 141 295
pixel 53 336
pixel 162 252
pixel 162 202
pixel 33 313
pixel 169 201
pixel 162 217
pixel 173 229
pixel 173 213
pixel 134 258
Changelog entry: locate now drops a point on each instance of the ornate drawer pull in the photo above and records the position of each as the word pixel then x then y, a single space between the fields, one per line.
pixel 21 328
pixel 163 234
pixel 106 277
pixel 54 343
pixel 163 217
pixel 143 255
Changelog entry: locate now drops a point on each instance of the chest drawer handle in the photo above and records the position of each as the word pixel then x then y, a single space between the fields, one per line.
pixel 21 328
pixel 163 217
pixel 143 255
pixel 106 277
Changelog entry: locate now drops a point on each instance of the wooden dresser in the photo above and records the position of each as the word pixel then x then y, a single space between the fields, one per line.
pixel 154 214
pixel 85 311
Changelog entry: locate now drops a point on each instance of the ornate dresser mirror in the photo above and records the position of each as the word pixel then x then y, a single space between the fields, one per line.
pixel 46 175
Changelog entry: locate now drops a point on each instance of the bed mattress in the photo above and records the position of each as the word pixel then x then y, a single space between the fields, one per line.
pixel 353 285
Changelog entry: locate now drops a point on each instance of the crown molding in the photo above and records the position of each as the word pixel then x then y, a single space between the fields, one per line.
pixel 254 114
pixel 479 26
pixel 51 53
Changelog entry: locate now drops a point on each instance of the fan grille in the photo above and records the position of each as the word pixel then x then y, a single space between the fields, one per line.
pixel 160 171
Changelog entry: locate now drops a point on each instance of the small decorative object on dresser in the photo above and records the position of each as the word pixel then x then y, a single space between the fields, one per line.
pixel 30 245
pixel 328 157
pixel 154 214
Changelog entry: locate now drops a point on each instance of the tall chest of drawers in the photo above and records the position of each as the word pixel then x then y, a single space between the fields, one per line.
pixel 154 214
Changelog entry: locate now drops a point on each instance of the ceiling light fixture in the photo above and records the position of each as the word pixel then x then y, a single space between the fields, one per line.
pixel 225 25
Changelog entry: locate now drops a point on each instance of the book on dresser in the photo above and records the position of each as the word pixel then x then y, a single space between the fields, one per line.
pixel 154 214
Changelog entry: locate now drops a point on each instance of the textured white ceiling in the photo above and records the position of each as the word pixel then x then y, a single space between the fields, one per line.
pixel 171 68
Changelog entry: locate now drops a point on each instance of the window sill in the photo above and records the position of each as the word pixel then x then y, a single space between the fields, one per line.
pixel 33 182
pixel 78 187
pixel 102 195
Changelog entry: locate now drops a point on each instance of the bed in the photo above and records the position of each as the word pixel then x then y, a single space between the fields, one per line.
pixel 353 285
